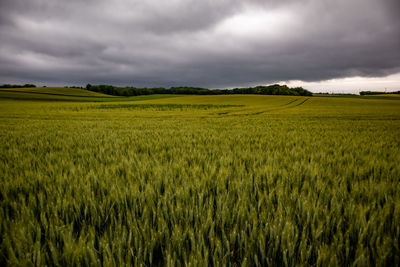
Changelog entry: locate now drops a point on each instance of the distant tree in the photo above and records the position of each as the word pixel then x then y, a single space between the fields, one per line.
pixel 29 85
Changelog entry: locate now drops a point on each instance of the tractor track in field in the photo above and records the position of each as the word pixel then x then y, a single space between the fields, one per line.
pixel 301 103
pixel 297 102
pixel 283 107
pixel 290 102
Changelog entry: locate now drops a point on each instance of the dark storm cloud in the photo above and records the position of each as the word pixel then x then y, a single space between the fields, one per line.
pixel 202 43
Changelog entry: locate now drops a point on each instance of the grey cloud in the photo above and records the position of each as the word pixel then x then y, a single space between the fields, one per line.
pixel 153 43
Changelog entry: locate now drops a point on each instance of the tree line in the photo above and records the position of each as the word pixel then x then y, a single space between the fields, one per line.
pixel 377 93
pixel 17 85
pixel 274 89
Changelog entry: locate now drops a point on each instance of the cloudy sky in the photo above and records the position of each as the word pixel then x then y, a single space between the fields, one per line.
pixel 323 45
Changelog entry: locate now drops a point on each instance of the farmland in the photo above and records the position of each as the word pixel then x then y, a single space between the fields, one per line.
pixel 89 179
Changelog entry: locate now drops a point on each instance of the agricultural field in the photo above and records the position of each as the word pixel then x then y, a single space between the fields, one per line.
pixel 65 94
pixel 166 180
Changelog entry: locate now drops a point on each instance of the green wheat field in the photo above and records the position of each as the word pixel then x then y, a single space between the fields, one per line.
pixel 165 180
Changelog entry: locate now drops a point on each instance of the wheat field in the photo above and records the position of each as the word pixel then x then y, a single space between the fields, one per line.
pixel 245 180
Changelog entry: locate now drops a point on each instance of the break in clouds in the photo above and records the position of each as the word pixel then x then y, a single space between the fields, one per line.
pixel 211 44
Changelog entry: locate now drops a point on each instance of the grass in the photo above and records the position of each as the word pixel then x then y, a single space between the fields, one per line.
pixel 243 180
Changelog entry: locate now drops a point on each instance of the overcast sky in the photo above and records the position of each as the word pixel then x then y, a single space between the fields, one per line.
pixel 319 44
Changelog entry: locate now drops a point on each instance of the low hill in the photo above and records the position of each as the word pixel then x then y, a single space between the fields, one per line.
pixel 58 91
pixel 53 94
pixel 67 94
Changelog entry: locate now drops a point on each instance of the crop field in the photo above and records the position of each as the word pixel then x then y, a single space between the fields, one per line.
pixel 66 94
pixel 170 180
